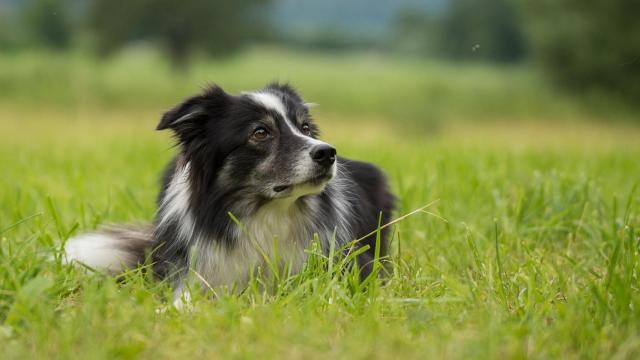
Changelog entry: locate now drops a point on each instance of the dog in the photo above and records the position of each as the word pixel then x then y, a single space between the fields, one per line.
pixel 250 178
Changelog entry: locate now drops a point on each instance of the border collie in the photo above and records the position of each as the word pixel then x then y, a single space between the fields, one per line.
pixel 250 178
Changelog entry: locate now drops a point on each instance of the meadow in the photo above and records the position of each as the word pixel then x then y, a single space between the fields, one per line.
pixel 529 247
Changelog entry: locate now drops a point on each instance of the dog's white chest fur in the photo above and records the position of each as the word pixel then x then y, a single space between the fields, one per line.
pixel 277 232
pixel 274 238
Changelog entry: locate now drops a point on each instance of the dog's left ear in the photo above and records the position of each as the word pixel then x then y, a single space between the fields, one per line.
pixel 187 119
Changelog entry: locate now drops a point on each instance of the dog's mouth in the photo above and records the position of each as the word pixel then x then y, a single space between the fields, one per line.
pixel 314 181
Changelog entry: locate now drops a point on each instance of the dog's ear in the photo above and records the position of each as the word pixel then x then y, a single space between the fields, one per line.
pixel 188 119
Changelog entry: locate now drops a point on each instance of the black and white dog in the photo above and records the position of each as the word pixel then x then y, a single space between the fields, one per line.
pixel 250 178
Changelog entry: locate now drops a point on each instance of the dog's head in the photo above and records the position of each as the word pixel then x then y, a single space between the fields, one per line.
pixel 262 143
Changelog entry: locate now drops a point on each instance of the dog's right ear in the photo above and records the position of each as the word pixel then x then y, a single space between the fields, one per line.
pixel 188 119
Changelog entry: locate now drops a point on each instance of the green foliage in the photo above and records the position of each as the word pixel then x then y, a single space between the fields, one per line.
pixel 488 29
pixel 8 36
pixel 466 30
pixel 48 24
pixel 428 93
pixel 589 46
pixel 179 27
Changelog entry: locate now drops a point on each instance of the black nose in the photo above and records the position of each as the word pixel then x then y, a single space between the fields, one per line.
pixel 324 154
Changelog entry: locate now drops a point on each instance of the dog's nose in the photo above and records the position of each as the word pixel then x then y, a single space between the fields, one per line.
pixel 324 154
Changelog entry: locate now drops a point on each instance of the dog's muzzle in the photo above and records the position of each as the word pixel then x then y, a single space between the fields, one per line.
pixel 324 155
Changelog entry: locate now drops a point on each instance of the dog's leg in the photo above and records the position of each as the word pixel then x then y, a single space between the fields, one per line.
pixel 182 297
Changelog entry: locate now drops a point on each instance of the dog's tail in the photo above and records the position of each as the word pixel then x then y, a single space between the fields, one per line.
pixel 112 249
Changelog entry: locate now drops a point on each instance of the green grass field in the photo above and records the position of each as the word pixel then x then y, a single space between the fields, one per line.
pixel 530 249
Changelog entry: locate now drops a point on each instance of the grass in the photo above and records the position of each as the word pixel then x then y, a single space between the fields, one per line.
pixel 538 256
pixel 356 85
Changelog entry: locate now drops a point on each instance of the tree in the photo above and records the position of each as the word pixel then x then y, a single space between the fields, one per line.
pixel 47 23
pixel 488 29
pixel 179 27
pixel 588 44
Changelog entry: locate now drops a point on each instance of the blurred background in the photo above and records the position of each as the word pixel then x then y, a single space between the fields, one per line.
pixel 419 65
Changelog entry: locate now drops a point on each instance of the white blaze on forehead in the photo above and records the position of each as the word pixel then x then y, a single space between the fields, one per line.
pixel 269 101
pixel 274 102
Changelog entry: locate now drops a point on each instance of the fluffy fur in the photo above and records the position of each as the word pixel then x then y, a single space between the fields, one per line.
pixel 254 157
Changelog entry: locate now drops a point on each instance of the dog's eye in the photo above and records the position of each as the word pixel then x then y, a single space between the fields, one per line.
pixel 306 129
pixel 260 134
